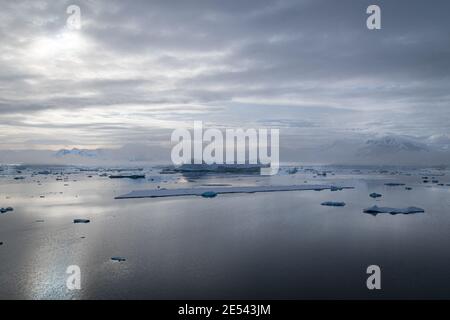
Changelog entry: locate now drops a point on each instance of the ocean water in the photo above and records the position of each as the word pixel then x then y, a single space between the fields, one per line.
pixel 280 245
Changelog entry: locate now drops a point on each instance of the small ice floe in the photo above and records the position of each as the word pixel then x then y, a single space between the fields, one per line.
pixel 394 184
pixel 374 210
pixel 375 195
pixel 119 259
pixel 209 194
pixel 81 220
pixel 131 176
pixel 333 204
pixel 4 210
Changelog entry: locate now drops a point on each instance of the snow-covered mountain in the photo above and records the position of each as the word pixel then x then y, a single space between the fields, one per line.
pixel 359 150
pixel 377 150
pixel 85 153
pixel 391 145
pixel 441 141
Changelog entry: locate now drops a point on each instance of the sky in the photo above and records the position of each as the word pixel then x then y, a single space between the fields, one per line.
pixel 137 70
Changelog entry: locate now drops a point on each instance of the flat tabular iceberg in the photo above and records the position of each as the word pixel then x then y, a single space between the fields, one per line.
pixel 81 220
pixel 374 210
pixel 333 204
pixel 155 193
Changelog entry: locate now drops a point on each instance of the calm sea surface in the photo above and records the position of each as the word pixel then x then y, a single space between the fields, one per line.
pixel 241 246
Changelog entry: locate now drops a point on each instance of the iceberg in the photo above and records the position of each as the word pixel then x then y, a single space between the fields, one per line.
pixel 4 210
pixel 133 176
pixel 333 204
pixel 219 168
pixel 156 193
pixel 375 195
pixel 119 259
pixel 209 194
pixel 374 210
pixel 81 220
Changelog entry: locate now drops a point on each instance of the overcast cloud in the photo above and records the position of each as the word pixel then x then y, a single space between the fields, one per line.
pixel 138 69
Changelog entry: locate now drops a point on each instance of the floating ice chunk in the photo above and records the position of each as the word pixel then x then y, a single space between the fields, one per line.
pixel 220 168
pixel 209 194
pixel 375 195
pixel 333 204
pixel 374 210
pixel 81 220
pixel 119 259
pixel 4 210
pixel 132 176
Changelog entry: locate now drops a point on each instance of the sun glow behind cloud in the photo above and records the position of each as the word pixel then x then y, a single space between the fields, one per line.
pixel 62 46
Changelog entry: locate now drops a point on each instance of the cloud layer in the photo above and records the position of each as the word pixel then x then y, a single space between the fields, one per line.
pixel 137 70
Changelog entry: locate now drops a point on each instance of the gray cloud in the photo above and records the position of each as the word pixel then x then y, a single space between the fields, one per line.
pixel 137 69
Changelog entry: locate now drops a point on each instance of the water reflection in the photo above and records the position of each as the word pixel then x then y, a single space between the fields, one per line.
pixel 272 245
